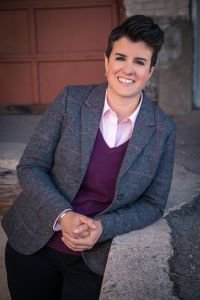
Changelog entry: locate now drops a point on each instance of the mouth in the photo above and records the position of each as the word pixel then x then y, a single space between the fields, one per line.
pixel 125 80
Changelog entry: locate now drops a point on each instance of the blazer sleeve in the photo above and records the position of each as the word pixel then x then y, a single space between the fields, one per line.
pixel 150 206
pixel 33 170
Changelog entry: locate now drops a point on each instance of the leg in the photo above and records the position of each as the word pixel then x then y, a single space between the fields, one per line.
pixel 31 277
pixel 79 281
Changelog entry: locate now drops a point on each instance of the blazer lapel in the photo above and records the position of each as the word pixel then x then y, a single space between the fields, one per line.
pixel 90 118
pixel 143 130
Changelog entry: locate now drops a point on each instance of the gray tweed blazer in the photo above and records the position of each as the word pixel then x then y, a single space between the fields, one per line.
pixel 55 161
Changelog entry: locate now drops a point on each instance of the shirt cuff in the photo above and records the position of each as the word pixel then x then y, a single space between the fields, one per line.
pixel 56 225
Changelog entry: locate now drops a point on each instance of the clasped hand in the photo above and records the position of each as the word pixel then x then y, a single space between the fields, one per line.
pixel 80 232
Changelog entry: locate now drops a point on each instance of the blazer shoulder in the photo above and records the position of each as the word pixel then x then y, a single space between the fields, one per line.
pixel 164 120
pixel 73 96
pixel 80 92
pixel 161 119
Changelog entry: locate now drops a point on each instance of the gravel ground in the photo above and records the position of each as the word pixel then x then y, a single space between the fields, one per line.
pixel 185 264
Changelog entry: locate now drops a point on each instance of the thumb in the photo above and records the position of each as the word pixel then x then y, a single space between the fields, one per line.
pixel 88 221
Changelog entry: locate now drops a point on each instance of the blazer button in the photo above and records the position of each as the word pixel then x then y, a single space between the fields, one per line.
pixel 119 197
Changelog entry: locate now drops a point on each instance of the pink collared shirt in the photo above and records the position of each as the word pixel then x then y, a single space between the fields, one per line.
pixel 117 132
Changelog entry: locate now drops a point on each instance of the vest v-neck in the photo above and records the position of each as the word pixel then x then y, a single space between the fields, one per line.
pixel 102 143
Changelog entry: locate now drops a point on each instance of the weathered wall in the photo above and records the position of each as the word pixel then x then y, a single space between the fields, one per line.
pixel 171 85
pixel 172 8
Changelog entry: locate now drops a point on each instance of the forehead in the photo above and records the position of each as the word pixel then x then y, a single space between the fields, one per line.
pixel 129 48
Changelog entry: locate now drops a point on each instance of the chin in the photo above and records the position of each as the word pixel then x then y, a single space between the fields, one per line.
pixel 129 95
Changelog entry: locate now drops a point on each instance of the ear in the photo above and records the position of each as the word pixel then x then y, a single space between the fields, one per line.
pixel 106 62
pixel 151 71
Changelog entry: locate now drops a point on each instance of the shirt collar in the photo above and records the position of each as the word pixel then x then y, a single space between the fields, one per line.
pixel 132 117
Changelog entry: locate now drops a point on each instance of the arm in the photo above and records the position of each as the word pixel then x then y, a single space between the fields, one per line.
pixel 36 162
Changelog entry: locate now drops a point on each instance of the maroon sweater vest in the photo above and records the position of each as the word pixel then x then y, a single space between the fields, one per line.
pixel 98 187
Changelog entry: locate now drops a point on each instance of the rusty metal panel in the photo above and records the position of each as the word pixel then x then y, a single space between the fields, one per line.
pixel 14 34
pixel 16 83
pixel 72 29
pixel 55 75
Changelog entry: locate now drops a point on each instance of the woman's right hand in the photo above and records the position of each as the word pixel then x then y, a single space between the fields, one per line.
pixel 77 225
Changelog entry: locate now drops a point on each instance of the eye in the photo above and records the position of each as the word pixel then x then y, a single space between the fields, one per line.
pixel 140 62
pixel 120 58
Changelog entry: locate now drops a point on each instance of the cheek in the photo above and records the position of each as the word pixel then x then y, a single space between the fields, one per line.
pixel 144 75
pixel 114 68
pixel 111 70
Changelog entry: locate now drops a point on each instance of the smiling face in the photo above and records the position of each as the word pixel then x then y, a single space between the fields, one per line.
pixel 128 69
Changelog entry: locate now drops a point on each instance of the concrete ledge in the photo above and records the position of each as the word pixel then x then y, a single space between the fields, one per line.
pixel 137 265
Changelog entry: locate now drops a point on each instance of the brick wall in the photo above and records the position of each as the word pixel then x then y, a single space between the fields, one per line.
pixel 172 8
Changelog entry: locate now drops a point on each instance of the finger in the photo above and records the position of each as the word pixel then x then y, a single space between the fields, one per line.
pixel 81 228
pixel 72 246
pixel 90 222
pixel 85 242
pixel 83 234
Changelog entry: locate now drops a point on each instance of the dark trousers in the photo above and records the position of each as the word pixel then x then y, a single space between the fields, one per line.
pixel 50 275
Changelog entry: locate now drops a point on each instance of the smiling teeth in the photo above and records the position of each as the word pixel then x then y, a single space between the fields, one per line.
pixel 123 80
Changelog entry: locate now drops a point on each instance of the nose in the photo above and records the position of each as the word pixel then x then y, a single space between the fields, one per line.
pixel 128 69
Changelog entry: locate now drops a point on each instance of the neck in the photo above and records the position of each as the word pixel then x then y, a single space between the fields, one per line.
pixel 122 106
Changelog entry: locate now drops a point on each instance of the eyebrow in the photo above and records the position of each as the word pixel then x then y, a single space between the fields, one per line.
pixel 120 54
pixel 141 58
pixel 138 58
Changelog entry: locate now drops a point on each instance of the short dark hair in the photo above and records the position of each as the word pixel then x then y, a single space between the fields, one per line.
pixel 138 28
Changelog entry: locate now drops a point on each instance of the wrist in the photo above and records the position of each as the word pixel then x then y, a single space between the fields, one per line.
pixel 62 215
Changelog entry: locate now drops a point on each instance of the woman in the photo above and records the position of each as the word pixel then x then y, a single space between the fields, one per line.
pixel 99 165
